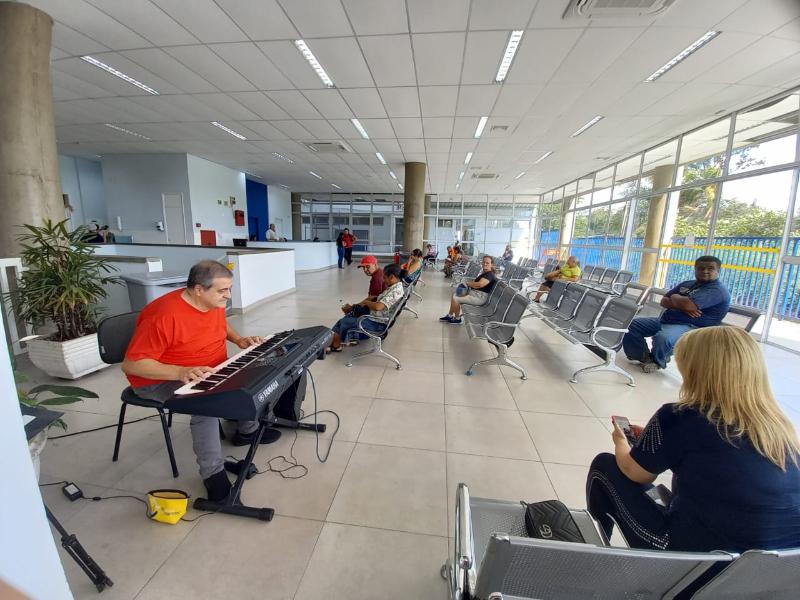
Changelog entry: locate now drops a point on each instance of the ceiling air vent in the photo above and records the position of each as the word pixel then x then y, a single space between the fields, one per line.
pixel 485 175
pixel 498 128
pixel 615 9
pixel 335 147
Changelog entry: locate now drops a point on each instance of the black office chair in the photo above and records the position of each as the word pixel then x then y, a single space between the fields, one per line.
pixel 114 334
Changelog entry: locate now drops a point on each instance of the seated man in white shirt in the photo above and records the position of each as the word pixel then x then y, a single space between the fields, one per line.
pixel 272 234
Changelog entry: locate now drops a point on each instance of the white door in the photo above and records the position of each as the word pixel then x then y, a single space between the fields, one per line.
pixel 174 219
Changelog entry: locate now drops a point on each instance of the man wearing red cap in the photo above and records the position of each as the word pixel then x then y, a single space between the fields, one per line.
pixel 376 285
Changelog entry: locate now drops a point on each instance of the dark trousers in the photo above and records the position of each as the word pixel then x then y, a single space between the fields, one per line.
pixel 348 255
pixel 340 252
pixel 610 494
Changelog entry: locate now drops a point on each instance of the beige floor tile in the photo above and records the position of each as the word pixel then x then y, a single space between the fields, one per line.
pixel 352 411
pixel 569 482
pixel 362 379
pixel 484 390
pixel 404 424
pixel 358 563
pixel 416 386
pixel 456 362
pixel 234 557
pixel 393 488
pixel 409 340
pixel 567 439
pixel 551 396
pixel 607 400
pixel 499 478
pixel 488 432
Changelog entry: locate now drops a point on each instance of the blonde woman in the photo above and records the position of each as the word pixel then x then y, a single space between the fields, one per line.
pixel 732 452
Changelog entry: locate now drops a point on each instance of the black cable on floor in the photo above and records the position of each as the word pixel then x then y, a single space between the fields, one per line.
pixel 58 437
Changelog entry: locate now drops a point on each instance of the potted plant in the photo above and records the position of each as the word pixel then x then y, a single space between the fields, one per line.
pixel 46 396
pixel 61 285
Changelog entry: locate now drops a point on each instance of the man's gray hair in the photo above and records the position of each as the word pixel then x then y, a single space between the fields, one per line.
pixel 205 272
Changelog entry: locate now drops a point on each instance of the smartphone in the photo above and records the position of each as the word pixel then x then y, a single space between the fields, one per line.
pixel 625 425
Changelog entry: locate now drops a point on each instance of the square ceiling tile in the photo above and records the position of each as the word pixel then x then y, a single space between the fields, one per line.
pixel 205 63
pixel 476 100
pixel 390 59
pixel 262 20
pixel 515 100
pixel 441 15
pixel 401 101
pixel 438 101
pixel 147 20
pixel 407 127
pixel 294 103
pixel 287 58
pixel 377 128
pixel 204 19
pixel 329 103
pixel 248 60
pixel 226 107
pixel 437 146
pixel 74 43
pixel 342 60
pixel 317 19
pixel 165 66
pixel 374 17
pixel 93 23
pixel 438 57
pixel 512 14
pixel 258 103
pixel 364 102
pixel 437 127
pixel 594 52
pixel 540 53
pixel 320 129
pixel 482 56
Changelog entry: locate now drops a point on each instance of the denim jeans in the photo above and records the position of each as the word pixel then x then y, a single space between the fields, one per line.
pixel 347 328
pixel 665 336
pixel 340 252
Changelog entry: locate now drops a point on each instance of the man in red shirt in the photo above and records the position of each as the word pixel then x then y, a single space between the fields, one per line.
pixel 180 338
pixel 348 239
pixel 376 284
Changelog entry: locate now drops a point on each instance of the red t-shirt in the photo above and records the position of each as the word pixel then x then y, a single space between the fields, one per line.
pixel 173 332
pixel 347 240
pixel 376 284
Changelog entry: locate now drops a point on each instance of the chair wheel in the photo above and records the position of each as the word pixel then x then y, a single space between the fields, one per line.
pixel 524 378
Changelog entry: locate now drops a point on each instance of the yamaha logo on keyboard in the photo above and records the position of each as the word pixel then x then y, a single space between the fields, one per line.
pixel 262 396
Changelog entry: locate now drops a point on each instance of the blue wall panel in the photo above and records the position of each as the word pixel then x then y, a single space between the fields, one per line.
pixel 257 210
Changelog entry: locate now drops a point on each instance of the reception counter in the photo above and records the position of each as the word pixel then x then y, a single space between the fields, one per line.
pixel 308 256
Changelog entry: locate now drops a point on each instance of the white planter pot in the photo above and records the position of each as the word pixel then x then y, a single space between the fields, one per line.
pixel 36 445
pixel 68 360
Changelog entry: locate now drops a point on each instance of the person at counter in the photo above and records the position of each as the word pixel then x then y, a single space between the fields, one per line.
pixel 272 234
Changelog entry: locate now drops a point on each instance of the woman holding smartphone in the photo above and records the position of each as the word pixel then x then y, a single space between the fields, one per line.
pixel 732 452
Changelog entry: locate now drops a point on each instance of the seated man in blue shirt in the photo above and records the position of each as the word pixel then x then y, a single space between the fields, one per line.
pixel 700 302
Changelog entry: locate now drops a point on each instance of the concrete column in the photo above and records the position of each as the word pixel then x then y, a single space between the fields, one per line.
pixel 30 186
pixel 662 178
pixel 413 205
pixel 297 217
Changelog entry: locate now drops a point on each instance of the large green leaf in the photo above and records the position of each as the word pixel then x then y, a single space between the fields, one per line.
pixel 64 390
pixel 60 400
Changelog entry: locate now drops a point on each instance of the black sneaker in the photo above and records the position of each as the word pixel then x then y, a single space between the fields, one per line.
pixel 218 486
pixel 446 318
pixel 235 467
pixel 269 436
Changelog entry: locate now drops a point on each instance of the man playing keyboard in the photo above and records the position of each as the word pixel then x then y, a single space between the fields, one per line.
pixel 180 338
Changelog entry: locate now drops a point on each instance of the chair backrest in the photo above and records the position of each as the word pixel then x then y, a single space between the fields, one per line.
pixel 509 271
pixel 570 301
pixel 515 307
pixel 618 313
pixel 589 309
pixel 113 336
pixel 621 281
pixel 534 568
pixel 597 274
pixel 586 272
pixel 609 276
pixel 554 295
pixel 756 574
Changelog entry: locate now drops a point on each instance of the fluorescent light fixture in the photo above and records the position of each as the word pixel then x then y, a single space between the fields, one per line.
pixel 461 176
pixel 312 60
pixel 481 125
pixel 380 158
pixel 392 175
pixel 468 158
pixel 684 54
pixel 542 157
pixel 280 156
pixel 335 186
pixel 128 131
pixel 458 185
pixel 228 130
pixel 508 55
pixel 357 124
pixel 589 124
pixel 400 185
pixel 315 175
pixel 109 69
pixel 286 187
pixel 520 175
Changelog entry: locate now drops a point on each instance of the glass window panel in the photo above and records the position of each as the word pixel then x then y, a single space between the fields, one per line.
pixel 570 196
pixel 584 193
pixel 501 206
pixel 598 224
pixel 558 194
pixel 473 231
pixel 703 152
pixel 450 205
pixel 475 205
pixel 525 206
pixel 362 205
pixel 580 230
pixel 658 167
pixel 604 178
pixel 431 203
pixel 615 235
pixel 766 135
pixel 627 177
pixel 448 230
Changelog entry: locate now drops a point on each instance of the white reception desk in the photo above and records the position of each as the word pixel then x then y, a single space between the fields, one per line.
pixel 308 256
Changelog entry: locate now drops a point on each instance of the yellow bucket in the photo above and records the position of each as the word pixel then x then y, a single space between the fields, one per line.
pixel 167 506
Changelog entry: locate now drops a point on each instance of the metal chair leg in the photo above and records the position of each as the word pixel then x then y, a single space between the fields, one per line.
pixel 378 350
pixel 609 365
pixel 169 418
pixel 222 435
pixel 168 439
pixel 120 423
pixel 412 311
pixel 501 360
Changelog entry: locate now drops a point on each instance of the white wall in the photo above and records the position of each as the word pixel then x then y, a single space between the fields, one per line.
pixel 29 560
pixel 82 179
pixel 308 256
pixel 250 287
pixel 210 183
pixel 279 205
pixel 134 184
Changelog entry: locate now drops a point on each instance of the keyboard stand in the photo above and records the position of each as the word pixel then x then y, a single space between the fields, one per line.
pixel 232 504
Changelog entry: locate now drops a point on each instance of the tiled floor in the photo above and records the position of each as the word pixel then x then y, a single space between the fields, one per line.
pixel 372 522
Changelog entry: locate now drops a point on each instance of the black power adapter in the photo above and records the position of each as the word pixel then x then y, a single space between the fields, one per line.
pixel 72 491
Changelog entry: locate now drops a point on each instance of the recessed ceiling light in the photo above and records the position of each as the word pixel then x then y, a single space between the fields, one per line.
pixel 392 175
pixel 228 130
pixel 520 175
pixel 360 128
pixel 380 158
pixel 508 55
pixel 458 185
pixel 481 125
pixel 684 54
pixel 400 185
pixel 542 157
pixel 461 176
pixel 335 186
pixel 468 158
pixel 312 60
pixel 589 124
pixel 315 175
pixel 109 69
pixel 129 132
pixel 286 187
pixel 280 156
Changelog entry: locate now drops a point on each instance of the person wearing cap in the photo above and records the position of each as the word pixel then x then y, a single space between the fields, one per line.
pixel 369 264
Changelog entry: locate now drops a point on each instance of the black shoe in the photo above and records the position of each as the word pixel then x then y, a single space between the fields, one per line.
pixel 269 436
pixel 235 467
pixel 218 486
